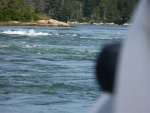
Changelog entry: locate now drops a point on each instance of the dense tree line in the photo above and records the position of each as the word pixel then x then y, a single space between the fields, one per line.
pixel 16 10
pixel 118 11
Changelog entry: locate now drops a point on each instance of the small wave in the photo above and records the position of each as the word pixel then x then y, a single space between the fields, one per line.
pixel 74 35
pixel 106 38
pixel 63 86
pixel 102 38
pixel 3 46
pixel 30 32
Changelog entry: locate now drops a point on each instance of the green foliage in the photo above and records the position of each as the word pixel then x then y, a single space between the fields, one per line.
pixel 125 8
pixel 117 11
pixel 15 10
pixel 88 7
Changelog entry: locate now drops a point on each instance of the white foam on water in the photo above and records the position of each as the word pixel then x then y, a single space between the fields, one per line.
pixel 39 53
pixel 3 45
pixel 21 32
pixel 74 35
pixel 27 46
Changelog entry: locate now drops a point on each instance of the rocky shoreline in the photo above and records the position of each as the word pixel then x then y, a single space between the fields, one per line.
pixel 101 23
pixel 49 23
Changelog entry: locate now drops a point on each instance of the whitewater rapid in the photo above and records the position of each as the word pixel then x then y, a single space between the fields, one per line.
pixel 23 32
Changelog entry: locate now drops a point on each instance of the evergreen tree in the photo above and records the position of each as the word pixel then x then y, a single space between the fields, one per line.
pixel 118 11
pixel 125 8
pixel 88 7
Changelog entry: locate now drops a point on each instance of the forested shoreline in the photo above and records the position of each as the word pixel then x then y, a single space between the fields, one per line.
pixel 106 11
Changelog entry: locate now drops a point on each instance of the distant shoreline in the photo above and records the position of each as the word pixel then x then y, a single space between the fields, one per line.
pixel 48 23
pixel 53 23
pixel 101 23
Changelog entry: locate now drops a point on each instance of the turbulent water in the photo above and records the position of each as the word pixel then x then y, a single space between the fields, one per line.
pixel 51 69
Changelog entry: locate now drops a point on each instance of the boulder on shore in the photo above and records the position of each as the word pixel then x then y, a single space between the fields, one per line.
pixel 52 22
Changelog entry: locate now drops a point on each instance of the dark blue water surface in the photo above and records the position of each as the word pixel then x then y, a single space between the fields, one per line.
pixel 51 69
